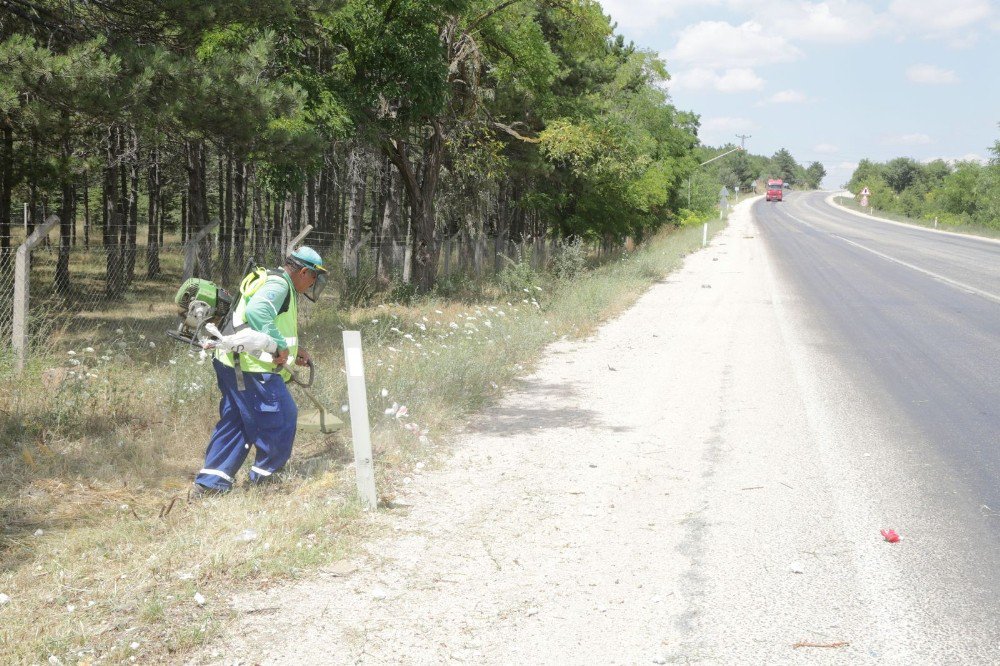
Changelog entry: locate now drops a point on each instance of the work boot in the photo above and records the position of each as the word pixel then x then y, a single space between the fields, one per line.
pixel 199 492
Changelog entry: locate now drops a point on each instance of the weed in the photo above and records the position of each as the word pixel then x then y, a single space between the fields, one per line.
pixel 94 517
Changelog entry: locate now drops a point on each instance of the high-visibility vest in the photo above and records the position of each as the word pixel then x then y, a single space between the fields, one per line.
pixel 287 323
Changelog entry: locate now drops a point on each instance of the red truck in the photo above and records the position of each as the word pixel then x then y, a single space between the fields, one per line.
pixel 774 189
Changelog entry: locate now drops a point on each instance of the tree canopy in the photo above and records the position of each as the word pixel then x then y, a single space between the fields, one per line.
pixel 501 118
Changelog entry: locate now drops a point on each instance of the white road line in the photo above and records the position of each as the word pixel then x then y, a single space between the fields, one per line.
pixel 831 201
pixel 953 283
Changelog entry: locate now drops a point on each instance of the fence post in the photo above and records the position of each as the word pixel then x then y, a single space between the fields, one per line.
pixel 191 251
pixel 22 290
pixel 357 393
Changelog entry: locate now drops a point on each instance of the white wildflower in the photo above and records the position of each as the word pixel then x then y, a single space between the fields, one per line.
pixel 142 337
pixel 89 350
pixel 119 331
pixel 344 408
pixel 172 361
pixel 385 393
pixel 438 311
pixel 374 321
pixel 453 325
pixel 152 345
pixel 71 353
pixel 199 599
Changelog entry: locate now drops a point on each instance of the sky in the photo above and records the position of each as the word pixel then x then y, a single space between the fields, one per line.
pixel 833 82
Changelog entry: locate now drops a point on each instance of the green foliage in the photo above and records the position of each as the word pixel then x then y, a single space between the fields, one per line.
pixel 517 276
pixel 815 173
pixel 570 261
pixel 966 192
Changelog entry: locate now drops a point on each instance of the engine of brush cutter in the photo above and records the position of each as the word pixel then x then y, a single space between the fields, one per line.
pixel 199 302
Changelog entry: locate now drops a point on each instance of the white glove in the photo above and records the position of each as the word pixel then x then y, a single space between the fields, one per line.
pixel 247 340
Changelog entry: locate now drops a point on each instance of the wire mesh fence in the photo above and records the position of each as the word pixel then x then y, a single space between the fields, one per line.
pixel 83 297
pixel 6 299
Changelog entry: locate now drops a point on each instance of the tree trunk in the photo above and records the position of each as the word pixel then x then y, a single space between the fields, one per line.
pixel 311 200
pixel 132 226
pixel 197 206
pixel 62 283
pixel 153 215
pixel 240 215
pixel 390 232
pixel 185 224
pixel 86 210
pixel 6 192
pixel 277 205
pixel 356 210
pixel 421 190
pixel 324 193
pixel 257 221
pixel 112 218
pixel 226 229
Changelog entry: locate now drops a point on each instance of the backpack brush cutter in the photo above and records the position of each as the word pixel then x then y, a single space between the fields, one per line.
pixel 199 303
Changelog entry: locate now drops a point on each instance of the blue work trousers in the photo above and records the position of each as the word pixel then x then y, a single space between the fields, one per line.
pixel 264 415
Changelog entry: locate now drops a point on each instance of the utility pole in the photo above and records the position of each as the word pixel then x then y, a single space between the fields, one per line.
pixel 743 138
pixel 717 157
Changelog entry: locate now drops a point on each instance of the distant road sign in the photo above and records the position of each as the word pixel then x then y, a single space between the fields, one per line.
pixel 866 192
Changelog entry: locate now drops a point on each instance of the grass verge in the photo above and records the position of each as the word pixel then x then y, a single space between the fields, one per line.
pixel 102 559
pixel 969 229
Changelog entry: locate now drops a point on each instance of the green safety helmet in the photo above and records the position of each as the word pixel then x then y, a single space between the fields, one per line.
pixel 306 257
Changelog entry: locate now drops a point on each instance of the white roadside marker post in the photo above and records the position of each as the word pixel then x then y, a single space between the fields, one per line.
pixel 358 397
pixel 704 235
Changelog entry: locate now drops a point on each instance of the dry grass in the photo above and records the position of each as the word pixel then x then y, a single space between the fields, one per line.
pixel 100 554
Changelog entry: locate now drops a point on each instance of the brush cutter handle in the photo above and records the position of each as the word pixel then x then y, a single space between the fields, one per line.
pixel 312 375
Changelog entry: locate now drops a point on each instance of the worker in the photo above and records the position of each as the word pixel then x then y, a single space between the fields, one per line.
pixel 256 407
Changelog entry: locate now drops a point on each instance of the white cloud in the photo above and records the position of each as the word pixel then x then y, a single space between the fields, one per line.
pixel 644 15
pixel 720 45
pixel 915 139
pixel 831 22
pixel 735 80
pixel 955 22
pixel 826 149
pixel 726 123
pixel 721 130
pixel 787 97
pixel 930 75
pixel 932 17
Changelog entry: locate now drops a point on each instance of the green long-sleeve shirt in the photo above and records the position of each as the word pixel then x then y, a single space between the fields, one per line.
pixel 265 304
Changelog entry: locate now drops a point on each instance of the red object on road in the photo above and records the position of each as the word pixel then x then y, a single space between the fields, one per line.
pixel 775 189
pixel 890 536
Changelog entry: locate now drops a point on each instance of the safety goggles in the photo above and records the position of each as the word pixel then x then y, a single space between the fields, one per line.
pixel 317 287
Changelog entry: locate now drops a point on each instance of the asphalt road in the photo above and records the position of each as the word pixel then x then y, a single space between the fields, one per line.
pixel 914 318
